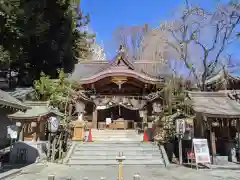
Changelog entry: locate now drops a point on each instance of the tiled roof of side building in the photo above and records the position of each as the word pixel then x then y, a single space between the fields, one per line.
pixel 214 103
pixel 7 100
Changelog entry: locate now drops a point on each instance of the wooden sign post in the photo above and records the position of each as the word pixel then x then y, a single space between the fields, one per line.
pixel 201 152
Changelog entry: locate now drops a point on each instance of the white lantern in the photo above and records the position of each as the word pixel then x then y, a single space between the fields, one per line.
pixel 80 116
pixel 33 124
pixel 53 124
pixel 18 124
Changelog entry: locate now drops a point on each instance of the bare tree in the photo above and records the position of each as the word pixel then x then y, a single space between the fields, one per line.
pixel 131 38
pixel 153 46
pixel 199 39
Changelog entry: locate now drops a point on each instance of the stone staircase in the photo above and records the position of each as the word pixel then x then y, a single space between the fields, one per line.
pixel 115 135
pixel 107 145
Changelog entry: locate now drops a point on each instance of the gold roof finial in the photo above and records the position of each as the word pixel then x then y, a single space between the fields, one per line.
pixel 120 51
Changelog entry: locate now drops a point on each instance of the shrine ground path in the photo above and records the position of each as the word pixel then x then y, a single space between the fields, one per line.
pixel 41 171
pixel 95 171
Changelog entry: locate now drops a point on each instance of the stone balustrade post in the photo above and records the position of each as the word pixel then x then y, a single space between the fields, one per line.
pixel 136 177
pixel 51 177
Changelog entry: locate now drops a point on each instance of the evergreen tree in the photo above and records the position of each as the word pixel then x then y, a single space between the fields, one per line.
pixel 42 36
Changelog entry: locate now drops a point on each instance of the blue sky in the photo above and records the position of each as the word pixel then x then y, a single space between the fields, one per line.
pixel 107 15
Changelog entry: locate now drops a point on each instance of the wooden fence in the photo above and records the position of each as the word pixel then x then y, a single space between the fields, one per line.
pixel 52 177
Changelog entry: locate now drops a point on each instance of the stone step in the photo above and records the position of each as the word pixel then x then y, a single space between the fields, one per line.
pixel 84 148
pixel 113 143
pixel 96 145
pixel 113 134
pixel 114 162
pixel 115 131
pixel 116 137
pixel 112 157
pixel 105 139
pixel 115 153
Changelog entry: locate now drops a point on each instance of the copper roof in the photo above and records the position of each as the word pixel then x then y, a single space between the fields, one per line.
pixel 147 71
pixel 114 71
pixel 153 69
pixel 38 109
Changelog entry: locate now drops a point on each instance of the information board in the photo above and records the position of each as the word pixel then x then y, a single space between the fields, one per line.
pixel 201 151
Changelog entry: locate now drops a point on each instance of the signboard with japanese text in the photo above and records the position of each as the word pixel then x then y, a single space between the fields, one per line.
pixel 201 151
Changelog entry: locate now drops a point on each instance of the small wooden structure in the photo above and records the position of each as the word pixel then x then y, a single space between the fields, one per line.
pixel 78 130
pixel 32 122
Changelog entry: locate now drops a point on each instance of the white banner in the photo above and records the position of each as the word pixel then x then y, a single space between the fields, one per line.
pixel 201 151
pixel 180 126
pixel 101 107
pixel 12 132
pixel 108 121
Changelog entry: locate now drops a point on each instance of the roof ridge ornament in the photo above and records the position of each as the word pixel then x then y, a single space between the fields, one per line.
pixel 120 52
pixel 121 48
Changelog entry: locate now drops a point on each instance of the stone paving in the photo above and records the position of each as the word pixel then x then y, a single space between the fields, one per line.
pixel 40 172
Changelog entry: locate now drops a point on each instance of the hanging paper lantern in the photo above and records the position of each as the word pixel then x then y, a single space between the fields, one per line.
pixel 53 124
pixel 33 124
pixel 116 100
pixel 105 100
pixel 80 106
pixel 134 102
pixel 18 124
pixel 125 100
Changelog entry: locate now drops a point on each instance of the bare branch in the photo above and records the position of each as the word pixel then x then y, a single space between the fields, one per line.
pixel 225 21
pixel 131 38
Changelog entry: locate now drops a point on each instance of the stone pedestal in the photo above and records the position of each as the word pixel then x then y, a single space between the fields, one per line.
pixel 78 130
pixel 28 152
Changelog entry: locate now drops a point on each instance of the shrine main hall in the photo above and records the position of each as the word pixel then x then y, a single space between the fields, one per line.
pixel 119 94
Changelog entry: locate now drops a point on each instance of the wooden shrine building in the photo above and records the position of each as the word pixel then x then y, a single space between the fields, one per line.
pixel 8 105
pixel 33 122
pixel 217 119
pixel 123 91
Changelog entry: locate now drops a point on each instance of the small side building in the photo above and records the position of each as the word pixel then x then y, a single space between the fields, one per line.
pixel 218 120
pixel 8 105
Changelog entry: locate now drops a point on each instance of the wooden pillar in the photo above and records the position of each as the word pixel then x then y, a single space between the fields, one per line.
pixel 213 142
pixel 38 131
pixel 34 133
pixel 238 138
pixel 199 127
pixel 21 133
pixel 94 118
pixel 42 130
